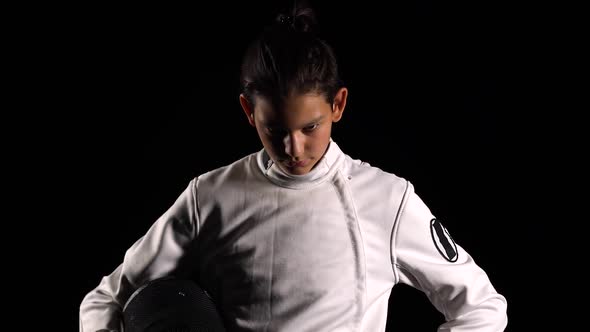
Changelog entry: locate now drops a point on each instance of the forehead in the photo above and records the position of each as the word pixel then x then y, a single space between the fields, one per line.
pixel 294 107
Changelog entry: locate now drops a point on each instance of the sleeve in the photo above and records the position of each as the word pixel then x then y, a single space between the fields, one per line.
pixel 426 257
pixel 156 254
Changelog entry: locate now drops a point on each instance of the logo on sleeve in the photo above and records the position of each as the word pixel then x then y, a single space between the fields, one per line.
pixel 443 241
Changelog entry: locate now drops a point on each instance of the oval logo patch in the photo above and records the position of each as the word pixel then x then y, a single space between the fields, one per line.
pixel 443 241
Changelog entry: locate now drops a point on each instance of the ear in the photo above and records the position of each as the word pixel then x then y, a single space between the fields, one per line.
pixel 339 104
pixel 247 107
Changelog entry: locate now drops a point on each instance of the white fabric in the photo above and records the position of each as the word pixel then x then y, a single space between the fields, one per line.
pixel 315 252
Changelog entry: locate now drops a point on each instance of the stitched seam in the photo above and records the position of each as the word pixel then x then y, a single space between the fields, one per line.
pixel 393 255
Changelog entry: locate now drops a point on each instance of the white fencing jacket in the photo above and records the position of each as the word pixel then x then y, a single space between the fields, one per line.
pixel 306 253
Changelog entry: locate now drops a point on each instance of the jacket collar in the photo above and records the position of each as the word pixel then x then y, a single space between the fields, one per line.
pixel 322 171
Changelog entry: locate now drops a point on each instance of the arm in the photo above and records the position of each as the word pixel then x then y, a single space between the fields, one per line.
pixel 158 253
pixel 426 257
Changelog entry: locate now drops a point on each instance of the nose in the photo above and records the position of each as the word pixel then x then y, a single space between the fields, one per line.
pixel 294 145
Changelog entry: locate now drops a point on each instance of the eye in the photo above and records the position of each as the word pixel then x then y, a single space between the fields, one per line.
pixel 273 130
pixel 311 127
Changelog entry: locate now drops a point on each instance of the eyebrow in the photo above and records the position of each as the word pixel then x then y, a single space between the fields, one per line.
pixel 314 121
pixel 310 123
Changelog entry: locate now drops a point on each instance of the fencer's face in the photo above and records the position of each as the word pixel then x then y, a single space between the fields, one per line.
pixel 296 134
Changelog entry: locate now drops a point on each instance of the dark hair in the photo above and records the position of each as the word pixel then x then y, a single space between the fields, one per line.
pixel 290 57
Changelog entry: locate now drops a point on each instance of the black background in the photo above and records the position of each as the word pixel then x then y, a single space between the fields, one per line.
pixel 131 102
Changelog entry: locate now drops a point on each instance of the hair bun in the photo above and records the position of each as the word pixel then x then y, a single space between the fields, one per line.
pixel 285 19
pixel 300 18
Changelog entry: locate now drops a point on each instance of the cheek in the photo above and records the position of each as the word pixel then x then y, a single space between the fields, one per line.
pixel 270 144
pixel 321 139
pixel 325 132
